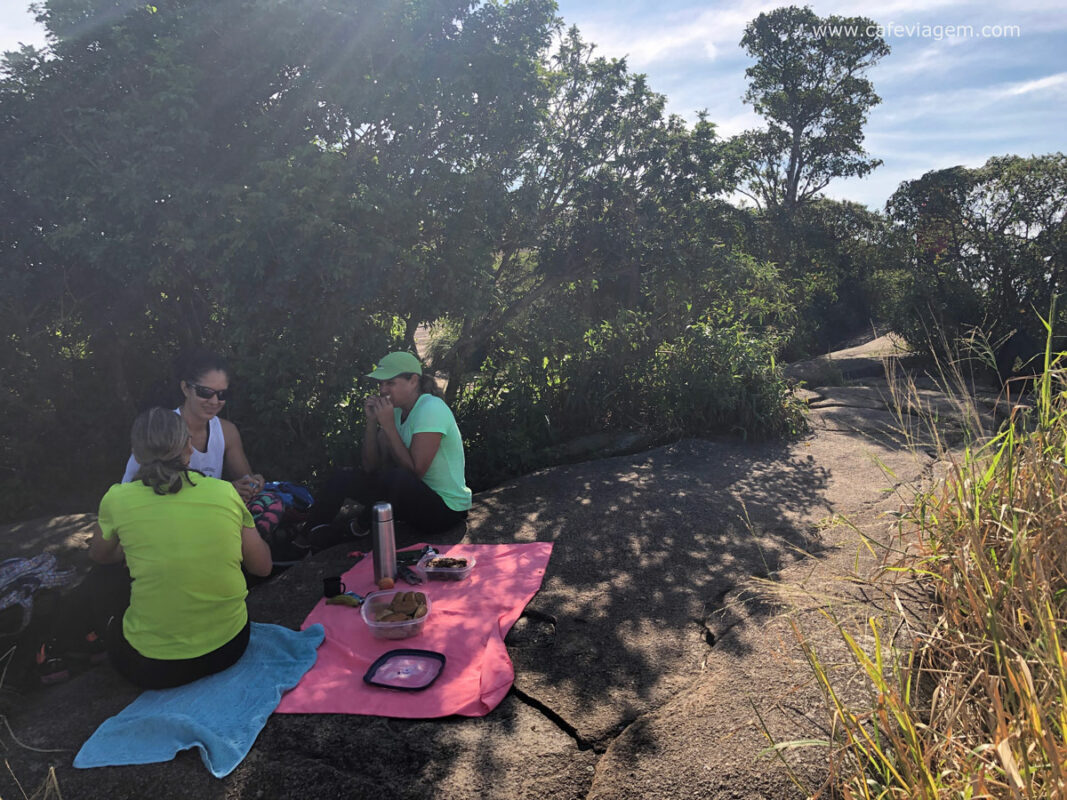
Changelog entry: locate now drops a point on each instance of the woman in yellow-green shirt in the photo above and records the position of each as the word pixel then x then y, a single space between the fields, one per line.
pixel 184 537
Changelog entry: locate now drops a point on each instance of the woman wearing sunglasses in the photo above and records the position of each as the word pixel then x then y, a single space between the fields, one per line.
pixel 184 539
pixel 217 448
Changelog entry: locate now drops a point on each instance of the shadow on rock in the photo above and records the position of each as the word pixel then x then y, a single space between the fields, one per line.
pixel 645 548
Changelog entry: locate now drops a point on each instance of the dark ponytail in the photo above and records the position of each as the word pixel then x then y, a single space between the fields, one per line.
pixel 193 366
pixel 428 385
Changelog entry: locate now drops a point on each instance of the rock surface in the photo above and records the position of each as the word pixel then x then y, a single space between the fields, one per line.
pixel 658 661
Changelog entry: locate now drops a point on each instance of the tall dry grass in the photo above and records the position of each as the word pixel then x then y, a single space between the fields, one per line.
pixel 977 707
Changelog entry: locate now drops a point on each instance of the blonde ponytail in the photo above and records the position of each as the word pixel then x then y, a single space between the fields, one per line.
pixel 158 439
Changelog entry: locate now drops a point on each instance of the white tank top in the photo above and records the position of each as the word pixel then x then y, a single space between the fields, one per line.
pixel 210 463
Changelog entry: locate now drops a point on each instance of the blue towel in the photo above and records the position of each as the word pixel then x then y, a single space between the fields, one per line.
pixel 221 714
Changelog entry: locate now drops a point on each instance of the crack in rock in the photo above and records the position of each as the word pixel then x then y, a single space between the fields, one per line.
pixel 558 720
pixel 710 636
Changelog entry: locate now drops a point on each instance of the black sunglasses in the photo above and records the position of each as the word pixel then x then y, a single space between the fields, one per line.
pixel 206 392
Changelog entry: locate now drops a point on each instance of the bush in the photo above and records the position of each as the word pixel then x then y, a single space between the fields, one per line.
pixel 704 381
pixel 986 248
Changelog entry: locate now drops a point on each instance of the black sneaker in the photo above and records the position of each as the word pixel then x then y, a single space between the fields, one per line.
pixel 287 545
pixel 50 668
pixel 91 649
pixel 356 531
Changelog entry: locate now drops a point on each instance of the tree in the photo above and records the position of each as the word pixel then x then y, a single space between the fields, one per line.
pixel 808 83
pixel 618 297
pixel 281 181
pixel 988 247
pixel 845 252
pixel 301 184
pixel 598 200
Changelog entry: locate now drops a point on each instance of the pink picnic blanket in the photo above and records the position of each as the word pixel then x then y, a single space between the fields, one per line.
pixel 468 621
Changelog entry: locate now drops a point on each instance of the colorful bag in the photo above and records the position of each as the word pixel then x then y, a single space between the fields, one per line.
pixel 297 499
pixel 283 507
pixel 267 510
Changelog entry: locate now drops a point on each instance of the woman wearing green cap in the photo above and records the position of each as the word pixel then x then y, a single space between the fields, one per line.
pixel 412 455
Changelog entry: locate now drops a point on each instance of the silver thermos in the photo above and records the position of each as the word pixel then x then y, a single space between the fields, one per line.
pixel 383 542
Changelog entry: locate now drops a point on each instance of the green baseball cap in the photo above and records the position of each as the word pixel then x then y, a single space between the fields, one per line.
pixel 395 364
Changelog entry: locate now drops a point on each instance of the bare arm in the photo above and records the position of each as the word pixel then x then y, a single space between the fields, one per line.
pixel 417 457
pixel 371 453
pixel 255 554
pixel 235 463
pixel 105 551
pixel 376 452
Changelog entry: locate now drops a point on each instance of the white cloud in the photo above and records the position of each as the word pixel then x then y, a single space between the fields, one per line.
pixel 733 125
pixel 708 34
pixel 17 25
pixel 885 10
pixel 886 143
pixel 935 59
pixel 1033 16
pixel 696 33
pixel 971 100
pixel 1056 81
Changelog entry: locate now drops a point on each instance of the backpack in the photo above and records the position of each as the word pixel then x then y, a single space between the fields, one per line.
pixel 267 509
pixel 296 498
pixel 284 536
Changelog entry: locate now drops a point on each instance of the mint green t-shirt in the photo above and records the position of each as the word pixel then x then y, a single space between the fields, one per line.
pixel 184 554
pixel 446 473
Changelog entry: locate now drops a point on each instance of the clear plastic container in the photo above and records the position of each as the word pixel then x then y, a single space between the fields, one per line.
pixel 374 605
pixel 445 573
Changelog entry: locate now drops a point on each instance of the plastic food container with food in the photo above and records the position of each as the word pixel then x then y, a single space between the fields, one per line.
pixel 437 572
pixel 375 605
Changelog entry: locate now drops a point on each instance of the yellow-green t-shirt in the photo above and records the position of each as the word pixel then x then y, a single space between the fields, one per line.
pixel 184 554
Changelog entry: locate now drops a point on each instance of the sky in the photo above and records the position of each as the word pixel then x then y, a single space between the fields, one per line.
pixel 965 80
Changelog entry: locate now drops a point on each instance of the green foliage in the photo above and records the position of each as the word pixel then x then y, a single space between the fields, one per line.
pixel 706 380
pixel 808 82
pixel 987 247
pixel 275 180
pixel 846 274
pixel 700 380
pixel 301 185
pixel 611 191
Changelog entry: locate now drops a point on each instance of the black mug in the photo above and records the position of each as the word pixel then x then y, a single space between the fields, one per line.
pixel 333 586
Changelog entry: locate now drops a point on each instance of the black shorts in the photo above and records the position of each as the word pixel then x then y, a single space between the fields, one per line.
pixel 156 673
